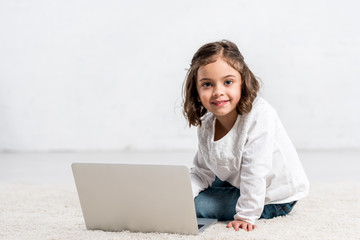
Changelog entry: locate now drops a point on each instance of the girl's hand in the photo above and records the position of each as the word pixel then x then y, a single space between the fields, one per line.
pixel 241 224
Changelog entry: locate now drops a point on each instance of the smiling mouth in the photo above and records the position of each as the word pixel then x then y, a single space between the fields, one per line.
pixel 220 103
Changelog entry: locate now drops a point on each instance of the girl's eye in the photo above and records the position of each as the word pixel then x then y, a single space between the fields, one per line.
pixel 207 85
pixel 228 82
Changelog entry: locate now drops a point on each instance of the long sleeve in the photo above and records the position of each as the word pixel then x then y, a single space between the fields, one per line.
pixel 256 156
pixel 255 168
pixel 201 176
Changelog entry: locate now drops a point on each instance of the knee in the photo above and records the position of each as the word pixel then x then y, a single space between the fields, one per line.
pixel 209 206
pixel 277 210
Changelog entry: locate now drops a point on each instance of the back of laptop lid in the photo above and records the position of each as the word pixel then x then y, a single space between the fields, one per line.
pixel 143 198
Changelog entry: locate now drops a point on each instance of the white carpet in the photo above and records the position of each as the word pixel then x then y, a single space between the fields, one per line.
pixel 332 211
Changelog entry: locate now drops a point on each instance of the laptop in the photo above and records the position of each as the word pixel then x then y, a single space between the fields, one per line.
pixel 137 198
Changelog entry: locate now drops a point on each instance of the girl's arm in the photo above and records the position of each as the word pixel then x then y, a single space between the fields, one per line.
pixel 256 166
pixel 201 176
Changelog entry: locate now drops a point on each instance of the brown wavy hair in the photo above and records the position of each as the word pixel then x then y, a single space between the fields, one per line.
pixel 209 53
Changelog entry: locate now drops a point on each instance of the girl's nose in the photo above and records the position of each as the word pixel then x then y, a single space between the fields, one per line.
pixel 218 91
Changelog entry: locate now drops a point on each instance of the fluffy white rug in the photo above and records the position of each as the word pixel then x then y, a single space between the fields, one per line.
pixel 331 211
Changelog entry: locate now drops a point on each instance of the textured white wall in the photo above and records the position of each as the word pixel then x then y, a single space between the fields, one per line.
pixel 107 75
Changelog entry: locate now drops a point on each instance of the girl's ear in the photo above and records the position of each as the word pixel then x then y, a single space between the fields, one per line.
pixel 198 98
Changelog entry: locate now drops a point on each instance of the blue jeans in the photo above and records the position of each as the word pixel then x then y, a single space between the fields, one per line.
pixel 219 201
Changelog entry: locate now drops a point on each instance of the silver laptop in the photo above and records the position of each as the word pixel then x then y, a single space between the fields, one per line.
pixel 138 198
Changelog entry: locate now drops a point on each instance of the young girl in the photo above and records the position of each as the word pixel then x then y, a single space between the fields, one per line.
pixel 246 166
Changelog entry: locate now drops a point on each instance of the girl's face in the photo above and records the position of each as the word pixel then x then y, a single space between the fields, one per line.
pixel 219 88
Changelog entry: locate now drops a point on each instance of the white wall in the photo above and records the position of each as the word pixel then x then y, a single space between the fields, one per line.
pixel 107 75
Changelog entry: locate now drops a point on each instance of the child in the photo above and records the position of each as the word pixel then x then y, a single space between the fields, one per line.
pixel 246 166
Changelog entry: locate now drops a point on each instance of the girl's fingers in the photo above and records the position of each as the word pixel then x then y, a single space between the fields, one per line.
pixel 250 227
pixel 236 226
pixel 229 225
pixel 245 226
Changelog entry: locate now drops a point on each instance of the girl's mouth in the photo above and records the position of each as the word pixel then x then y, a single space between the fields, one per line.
pixel 220 103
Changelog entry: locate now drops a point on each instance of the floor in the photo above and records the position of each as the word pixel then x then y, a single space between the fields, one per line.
pixel 320 166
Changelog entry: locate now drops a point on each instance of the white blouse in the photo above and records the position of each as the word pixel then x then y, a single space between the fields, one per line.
pixel 255 156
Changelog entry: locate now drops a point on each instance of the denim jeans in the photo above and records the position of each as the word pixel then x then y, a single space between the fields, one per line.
pixel 219 201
